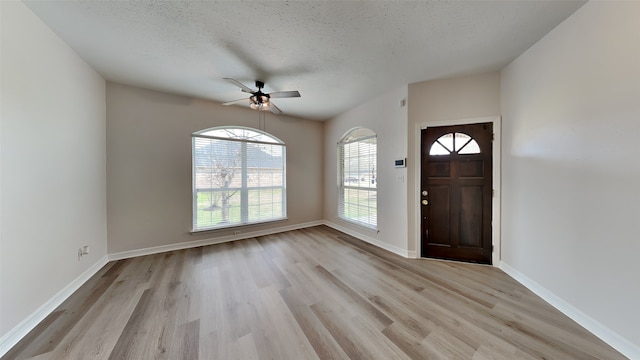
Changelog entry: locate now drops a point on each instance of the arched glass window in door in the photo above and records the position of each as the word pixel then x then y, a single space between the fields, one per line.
pixel 454 143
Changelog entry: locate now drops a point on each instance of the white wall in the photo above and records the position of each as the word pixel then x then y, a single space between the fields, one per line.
pixel 438 102
pixel 149 166
pixel 571 110
pixel 53 183
pixel 385 116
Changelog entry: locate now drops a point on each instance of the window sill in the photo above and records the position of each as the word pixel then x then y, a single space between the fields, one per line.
pixel 232 226
pixel 360 225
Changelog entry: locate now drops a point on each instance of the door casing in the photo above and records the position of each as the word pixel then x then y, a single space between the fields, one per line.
pixel 497 166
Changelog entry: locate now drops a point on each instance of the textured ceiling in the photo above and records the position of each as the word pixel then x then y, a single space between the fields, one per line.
pixel 337 54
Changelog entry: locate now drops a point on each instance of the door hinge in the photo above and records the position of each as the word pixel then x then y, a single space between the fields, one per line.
pixel 493 192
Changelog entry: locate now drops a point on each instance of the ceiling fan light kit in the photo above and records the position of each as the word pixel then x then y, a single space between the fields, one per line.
pixel 258 100
pixel 260 105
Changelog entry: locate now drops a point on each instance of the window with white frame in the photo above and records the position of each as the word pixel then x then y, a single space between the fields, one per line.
pixel 357 179
pixel 239 178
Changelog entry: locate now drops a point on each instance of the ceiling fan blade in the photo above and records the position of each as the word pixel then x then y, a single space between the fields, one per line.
pixel 234 101
pixel 242 86
pixel 284 94
pixel 274 109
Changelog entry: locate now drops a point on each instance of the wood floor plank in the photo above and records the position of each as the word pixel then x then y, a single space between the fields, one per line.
pixel 113 310
pixel 245 348
pixel 213 334
pixel 314 293
pixel 319 337
pixel 339 324
pixel 448 347
pixel 359 302
pixel 134 328
pixel 290 339
pixel 407 341
pixel 188 342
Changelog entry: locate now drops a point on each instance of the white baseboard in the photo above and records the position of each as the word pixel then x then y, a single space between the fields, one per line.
pixel 16 334
pixel 211 241
pixel 624 346
pixel 394 249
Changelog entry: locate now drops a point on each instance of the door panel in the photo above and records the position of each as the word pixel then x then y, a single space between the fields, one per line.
pixel 439 232
pixel 471 216
pixel 456 188
pixel 471 169
pixel 439 170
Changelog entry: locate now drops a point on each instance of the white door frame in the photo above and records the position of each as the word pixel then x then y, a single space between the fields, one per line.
pixel 497 173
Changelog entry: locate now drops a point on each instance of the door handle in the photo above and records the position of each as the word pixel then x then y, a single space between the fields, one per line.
pixel 425 202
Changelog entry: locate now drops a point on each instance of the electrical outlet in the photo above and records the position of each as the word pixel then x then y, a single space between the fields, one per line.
pixel 237 232
pixel 84 250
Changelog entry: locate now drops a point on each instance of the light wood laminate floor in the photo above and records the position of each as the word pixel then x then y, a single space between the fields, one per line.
pixel 307 294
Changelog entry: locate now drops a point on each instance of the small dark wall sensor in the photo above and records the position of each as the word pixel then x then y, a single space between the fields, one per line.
pixel 401 163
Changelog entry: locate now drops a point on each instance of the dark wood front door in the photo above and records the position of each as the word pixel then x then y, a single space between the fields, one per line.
pixel 456 192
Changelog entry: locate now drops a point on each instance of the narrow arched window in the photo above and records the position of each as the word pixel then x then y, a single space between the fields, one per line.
pixel 357 177
pixel 238 177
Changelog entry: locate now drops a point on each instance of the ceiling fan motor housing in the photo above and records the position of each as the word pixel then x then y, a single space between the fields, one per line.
pixel 259 97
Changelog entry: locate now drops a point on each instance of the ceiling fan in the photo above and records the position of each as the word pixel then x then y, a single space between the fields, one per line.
pixel 259 100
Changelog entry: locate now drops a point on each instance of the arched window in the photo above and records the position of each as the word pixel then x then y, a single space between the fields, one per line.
pixel 459 143
pixel 357 177
pixel 238 177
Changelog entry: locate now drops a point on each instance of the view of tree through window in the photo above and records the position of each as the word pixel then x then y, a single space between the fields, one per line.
pixel 357 177
pixel 238 178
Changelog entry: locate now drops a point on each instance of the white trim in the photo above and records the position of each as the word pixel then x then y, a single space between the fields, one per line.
pixel 624 346
pixel 11 338
pixel 200 133
pixel 236 225
pixel 497 177
pixel 210 241
pixel 394 249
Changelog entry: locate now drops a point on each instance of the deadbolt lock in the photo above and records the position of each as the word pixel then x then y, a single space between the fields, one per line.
pixel 424 193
